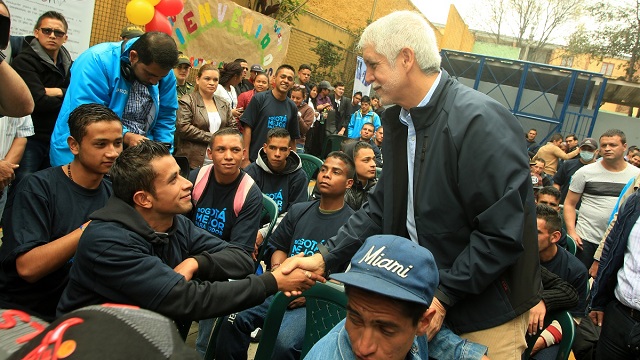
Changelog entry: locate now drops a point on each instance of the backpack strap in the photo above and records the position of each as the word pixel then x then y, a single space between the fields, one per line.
pixel 201 182
pixel 241 194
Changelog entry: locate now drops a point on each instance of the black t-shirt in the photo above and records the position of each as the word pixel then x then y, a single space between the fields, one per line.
pixel 305 226
pixel 47 205
pixel 265 112
pixel 564 174
pixel 284 189
pixel 571 270
pixel 215 212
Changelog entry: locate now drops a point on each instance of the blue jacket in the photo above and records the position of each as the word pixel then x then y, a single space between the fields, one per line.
pixel 613 254
pixel 97 79
pixel 357 120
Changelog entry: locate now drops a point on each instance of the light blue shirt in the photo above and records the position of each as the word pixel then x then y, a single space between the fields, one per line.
pixel 405 118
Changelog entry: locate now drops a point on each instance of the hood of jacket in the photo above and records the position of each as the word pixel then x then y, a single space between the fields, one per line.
pixel 122 213
pixel 35 49
pixel 293 163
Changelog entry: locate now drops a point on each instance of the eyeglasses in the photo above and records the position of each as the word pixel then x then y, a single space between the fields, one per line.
pixel 245 68
pixel 57 33
pixel 298 86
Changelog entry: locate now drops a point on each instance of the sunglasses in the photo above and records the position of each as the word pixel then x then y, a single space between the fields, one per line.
pixel 57 33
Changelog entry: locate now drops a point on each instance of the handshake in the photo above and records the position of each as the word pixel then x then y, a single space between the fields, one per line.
pixel 298 273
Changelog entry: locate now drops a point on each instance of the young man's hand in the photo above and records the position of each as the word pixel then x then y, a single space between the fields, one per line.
pixel 187 268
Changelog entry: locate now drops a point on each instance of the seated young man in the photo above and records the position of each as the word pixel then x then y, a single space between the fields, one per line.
pixel 366 135
pixel 45 217
pixel 227 202
pixel 278 173
pixel 139 251
pixel 305 225
pixel 389 287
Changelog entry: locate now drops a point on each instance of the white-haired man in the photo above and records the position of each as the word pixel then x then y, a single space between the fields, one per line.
pixel 482 232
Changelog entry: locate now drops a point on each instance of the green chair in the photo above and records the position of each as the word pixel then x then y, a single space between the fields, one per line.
pixel 378 172
pixel 572 247
pixel 568 334
pixel 310 165
pixel 269 208
pixel 332 143
pixel 326 306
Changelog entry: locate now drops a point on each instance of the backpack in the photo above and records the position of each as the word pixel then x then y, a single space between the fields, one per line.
pixel 241 193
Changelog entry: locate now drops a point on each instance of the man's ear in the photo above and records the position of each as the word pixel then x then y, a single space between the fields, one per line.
pixel 74 146
pixel 555 236
pixel 143 199
pixel 424 321
pixel 407 57
pixel 133 56
pixel 349 183
pixel 209 154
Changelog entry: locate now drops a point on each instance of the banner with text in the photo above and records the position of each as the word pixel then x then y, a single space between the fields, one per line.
pixel 78 13
pixel 215 31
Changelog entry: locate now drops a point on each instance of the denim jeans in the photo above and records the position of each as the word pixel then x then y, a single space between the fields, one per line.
pixel 35 158
pixel 204 333
pixel 235 333
pixel 620 336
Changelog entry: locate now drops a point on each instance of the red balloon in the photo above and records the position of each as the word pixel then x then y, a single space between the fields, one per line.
pixel 159 23
pixel 170 7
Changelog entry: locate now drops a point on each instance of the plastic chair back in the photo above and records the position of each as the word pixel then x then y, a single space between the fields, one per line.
pixel 269 208
pixel 310 165
pixel 568 335
pixel 572 247
pixel 326 306
pixel 332 143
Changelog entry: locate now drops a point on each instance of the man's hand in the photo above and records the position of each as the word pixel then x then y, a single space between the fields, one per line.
pixel 314 264
pixel 539 345
pixel 341 132
pixel 296 281
pixel 256 246
pixel 187 268
pixel 54 92
pixel 296 303
pixel 132 139
pixel 597 317
pixel 437 320
pixel 536 318
pixel 576 238
pixel 6 173
pixel 593 270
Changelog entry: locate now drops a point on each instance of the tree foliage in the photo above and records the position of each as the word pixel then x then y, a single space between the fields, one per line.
pixel 617 35
pixel 533 23
pixel 329 56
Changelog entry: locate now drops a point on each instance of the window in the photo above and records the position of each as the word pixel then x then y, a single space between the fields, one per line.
pixel 607 69
pixel 567 61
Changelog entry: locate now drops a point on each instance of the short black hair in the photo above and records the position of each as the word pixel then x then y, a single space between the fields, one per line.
pixel 365 99
pixel 285 66
pixel 278 132
pixel 556 137
pixel 132 170
pixel 550 216
pixel 51 15
pixel 369 124
pixel 227 131
pixel 239 60
pixel 338 83
pixel 357 93
pixel 631 149
pixel 571 135
pixel 302 67
pixel 413 310
pixel 550 190
pixel 156 47
pixel 86 114
pixel 615 132
pixel 351 167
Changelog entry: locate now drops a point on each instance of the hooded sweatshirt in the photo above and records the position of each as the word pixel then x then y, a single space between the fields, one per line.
pixel 121 259
pixel 285 188
pixel 38 71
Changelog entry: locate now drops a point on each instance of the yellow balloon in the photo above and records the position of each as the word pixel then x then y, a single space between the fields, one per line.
pixel 139 12
pixel 153 2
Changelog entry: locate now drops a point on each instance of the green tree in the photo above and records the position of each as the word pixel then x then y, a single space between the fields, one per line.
pixel 617 36
pixel 329 56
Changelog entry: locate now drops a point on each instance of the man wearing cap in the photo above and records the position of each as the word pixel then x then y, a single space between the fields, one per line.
pixel 181 71
pixel 134 79
pixel 389 286
pixel 597 186
pixel 254 71
pixel 588 151
pixel 359 118
pixel 130 32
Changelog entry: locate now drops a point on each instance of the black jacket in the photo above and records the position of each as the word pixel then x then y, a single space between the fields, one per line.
pixel 38 71
pixel 120 259
pixel 473 201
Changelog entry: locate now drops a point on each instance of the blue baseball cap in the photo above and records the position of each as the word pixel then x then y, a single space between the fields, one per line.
pixel 393 266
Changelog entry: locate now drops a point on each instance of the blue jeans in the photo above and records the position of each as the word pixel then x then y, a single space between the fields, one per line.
pixel 235 333
pixel 35 158
pixel 204 333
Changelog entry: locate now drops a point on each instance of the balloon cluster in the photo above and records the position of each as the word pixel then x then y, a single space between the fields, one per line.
pixel 153 13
